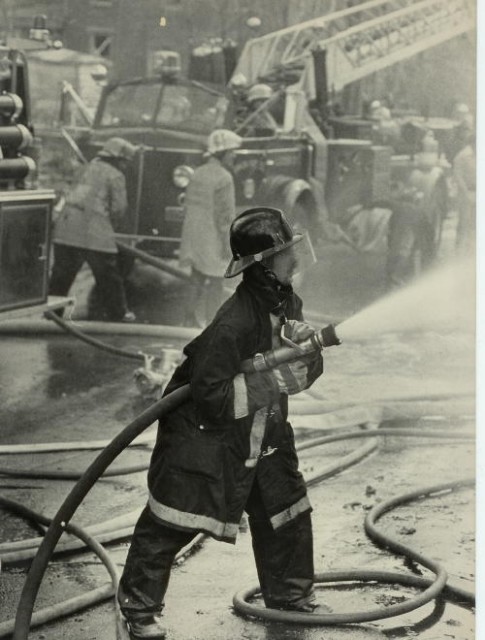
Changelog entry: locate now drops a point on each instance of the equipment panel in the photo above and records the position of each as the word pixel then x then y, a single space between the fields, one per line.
pixel 25 221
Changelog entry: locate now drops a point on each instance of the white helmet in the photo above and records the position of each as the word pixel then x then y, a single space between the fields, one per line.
pixel 118 148
pixel 223 140
pixel 259 92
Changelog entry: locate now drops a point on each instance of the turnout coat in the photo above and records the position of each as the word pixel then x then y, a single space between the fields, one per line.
pixel 210 207
pixel 234 429
pixel 94 208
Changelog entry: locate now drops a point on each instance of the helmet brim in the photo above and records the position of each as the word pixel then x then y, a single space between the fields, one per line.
pixel 237 266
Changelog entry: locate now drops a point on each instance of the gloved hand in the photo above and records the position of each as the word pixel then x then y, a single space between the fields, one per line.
pixel 297 331
pixel 291 377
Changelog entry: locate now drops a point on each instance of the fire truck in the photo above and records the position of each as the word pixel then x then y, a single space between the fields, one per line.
pixel 320 167
pixel 25 209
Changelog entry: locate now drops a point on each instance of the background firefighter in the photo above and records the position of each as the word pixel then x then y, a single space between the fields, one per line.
pixel 230 448
pixel 262 123
pixel 85 229
pixel 465 174
pixel 210 207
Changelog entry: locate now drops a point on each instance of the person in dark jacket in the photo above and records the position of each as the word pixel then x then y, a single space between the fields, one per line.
pixel 230 448
pixel 93 210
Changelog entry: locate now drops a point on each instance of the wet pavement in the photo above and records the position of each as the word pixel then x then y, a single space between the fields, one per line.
pixel 55 388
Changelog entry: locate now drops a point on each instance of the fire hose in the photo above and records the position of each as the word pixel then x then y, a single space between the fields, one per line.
pixel 108 532
pixel 432 587
pixel 47 474
pixel 323 338
pixel 240 599
pixel 90 598
pixel 70 328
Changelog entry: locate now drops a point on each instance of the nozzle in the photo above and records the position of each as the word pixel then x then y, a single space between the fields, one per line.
pixel 327 336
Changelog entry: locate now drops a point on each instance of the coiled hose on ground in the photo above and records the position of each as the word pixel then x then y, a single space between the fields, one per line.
pixel 432 587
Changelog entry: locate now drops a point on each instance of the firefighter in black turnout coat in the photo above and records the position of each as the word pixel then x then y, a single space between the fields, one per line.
pixel 230 448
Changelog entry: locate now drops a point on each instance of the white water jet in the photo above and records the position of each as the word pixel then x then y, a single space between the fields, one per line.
pixel 443 299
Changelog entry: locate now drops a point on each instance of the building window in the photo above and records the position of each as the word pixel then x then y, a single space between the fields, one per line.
pixel 100 43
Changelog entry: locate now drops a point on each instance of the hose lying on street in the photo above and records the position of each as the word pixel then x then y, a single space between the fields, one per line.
pixel 432 588
pixel 23 327
pixel 162 265
pixel 83 601
pixel 45 550
pixel 22 550
pixel 47 474
pixel 87 445
pixel 57 474
pixel 70 328
pixel 73 604
pixel 99 529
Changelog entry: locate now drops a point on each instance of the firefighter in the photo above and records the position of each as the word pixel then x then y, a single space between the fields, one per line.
pixel 263 122
pixel 464 172
pixel 230 448
pixel 461 132
pixel 210 207
pixel 85 229
pixel 379 111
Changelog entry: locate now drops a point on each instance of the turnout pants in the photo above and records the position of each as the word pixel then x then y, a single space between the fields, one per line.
pixel 284 561
pixel 67 262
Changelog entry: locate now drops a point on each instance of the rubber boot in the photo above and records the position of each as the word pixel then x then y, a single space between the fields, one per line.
pixel 141 627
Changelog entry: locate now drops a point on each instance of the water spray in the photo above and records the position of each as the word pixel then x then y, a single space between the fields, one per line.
pixel 442 300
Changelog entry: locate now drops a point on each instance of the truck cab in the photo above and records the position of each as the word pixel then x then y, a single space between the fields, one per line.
pixel 170 118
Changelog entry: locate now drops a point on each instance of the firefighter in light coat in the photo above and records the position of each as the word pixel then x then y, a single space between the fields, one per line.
pixel 230 448
pixel 210 207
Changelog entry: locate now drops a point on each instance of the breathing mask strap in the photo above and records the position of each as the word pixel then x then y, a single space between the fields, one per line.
pixel 283 292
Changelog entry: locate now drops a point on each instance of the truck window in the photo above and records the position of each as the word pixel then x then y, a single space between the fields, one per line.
pixel 130 105
pixel 190 108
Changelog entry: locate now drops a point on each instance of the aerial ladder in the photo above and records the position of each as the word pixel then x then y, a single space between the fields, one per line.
pixel 358 41
pixel 313 60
